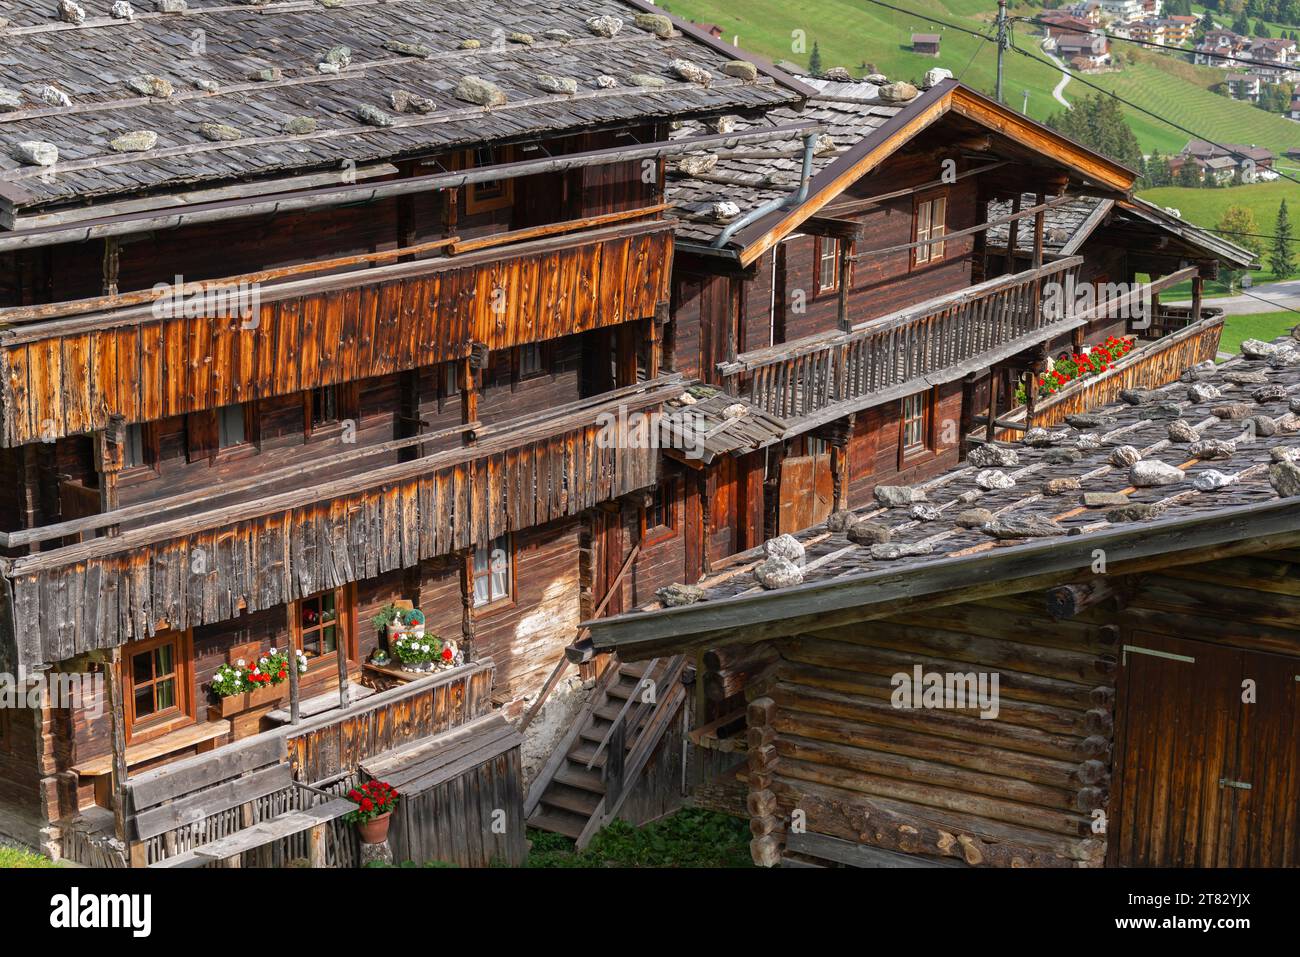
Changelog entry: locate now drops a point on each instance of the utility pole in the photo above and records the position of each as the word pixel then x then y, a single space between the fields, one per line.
pixel 1025 109
pixel 1002 44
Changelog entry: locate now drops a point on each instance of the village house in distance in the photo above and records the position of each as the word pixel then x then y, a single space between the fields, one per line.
pixel 361 401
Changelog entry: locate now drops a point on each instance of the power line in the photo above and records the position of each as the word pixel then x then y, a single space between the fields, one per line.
pixel 1160 46
pixel 922 16
pixel 1142 109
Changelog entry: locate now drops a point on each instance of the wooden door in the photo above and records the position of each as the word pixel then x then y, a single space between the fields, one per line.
pixel 1263 821
pixel 1201 777
pixel 807 491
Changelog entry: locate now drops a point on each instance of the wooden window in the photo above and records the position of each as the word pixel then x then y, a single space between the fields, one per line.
pixel 232 426
pixel 915 423
pixel 493 194
pixel 329 405
pixel 659 518
pixel 321 625
pixel 494 572
pixel 156 684
pixel 133 448
pixel 324 405
pixel 930 221
pixel 531 362
pixel 828 264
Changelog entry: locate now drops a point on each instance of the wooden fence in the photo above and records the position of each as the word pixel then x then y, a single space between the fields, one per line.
pixel 1150 365
pixel 268 551
pixel 950 335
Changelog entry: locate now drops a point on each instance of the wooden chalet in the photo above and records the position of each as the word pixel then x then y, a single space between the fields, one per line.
pixel 1143 636
pixel 327 311
pixel 850 325
pixel 854 318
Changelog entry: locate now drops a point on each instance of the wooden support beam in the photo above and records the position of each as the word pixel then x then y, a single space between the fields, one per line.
pixel 552 229
pixel 467 632
pixel 117 725
pixel 1066 601
pixel 295 698
pixel 1012 227
pixel 845 265
pixel 468 397
pixel 112 259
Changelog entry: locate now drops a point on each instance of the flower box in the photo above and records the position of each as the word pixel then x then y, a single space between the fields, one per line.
pixel 238 703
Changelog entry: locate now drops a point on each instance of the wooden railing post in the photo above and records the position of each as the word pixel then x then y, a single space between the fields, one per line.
pixel 614 758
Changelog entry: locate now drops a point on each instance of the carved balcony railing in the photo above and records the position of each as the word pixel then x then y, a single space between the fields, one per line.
pixel 196 559
pixel 67 368
pixel 829 375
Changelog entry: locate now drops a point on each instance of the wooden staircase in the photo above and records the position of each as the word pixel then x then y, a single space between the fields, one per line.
pixel 598 761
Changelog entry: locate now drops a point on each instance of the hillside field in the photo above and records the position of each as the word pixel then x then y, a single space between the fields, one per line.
pixel 853 33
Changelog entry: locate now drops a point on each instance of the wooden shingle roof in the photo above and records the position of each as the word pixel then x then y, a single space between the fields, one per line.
pixel 1070 486
pixel 237 90
pixel 749 176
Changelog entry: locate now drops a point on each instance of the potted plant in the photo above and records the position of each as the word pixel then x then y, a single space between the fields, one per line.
pixel 416 654
pixel 376 801
pixel 388 620
pixel 414 622
pixel 241 687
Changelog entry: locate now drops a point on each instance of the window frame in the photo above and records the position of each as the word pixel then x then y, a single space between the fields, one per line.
pixel 925 418
pixel 181 714
pixel 344 620
pixel 823 242
pixel 537 348
pixel 508 598
pixel 493 195
pixel 347 403
pixel 654 534
pixel 924 255
pixel 151 465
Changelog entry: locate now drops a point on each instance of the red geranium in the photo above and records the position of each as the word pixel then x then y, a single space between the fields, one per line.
pixel 373 799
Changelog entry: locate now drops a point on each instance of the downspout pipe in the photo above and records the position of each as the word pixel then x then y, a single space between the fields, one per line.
pixel 784 202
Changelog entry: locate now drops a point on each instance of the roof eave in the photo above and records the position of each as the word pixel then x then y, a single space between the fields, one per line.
pixel 766 615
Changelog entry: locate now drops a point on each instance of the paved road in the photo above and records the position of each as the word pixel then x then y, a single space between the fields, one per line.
pixel 1280 296
pixel 1065 79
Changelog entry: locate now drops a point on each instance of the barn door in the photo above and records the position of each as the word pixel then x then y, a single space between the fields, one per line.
pixel 807 491
pixel 1202 778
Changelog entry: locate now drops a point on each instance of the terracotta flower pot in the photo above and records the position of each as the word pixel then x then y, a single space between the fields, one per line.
pixel 374 831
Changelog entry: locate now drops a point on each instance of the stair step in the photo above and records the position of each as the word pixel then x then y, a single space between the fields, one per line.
pixel 623 689
pixel 596 731
pixel 582 754
pixel 570 799
pixel 558 822
pixel 577 776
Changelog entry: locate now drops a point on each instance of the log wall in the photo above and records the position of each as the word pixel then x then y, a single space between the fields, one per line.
pixel 1013 791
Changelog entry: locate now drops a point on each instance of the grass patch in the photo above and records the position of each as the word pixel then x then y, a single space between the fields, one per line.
pixel 11 857
pixel 689 838
pixel 1261 325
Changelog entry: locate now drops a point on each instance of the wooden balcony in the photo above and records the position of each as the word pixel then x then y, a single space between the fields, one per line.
pixel 196 559
pixel 824 377
pixel 66 368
